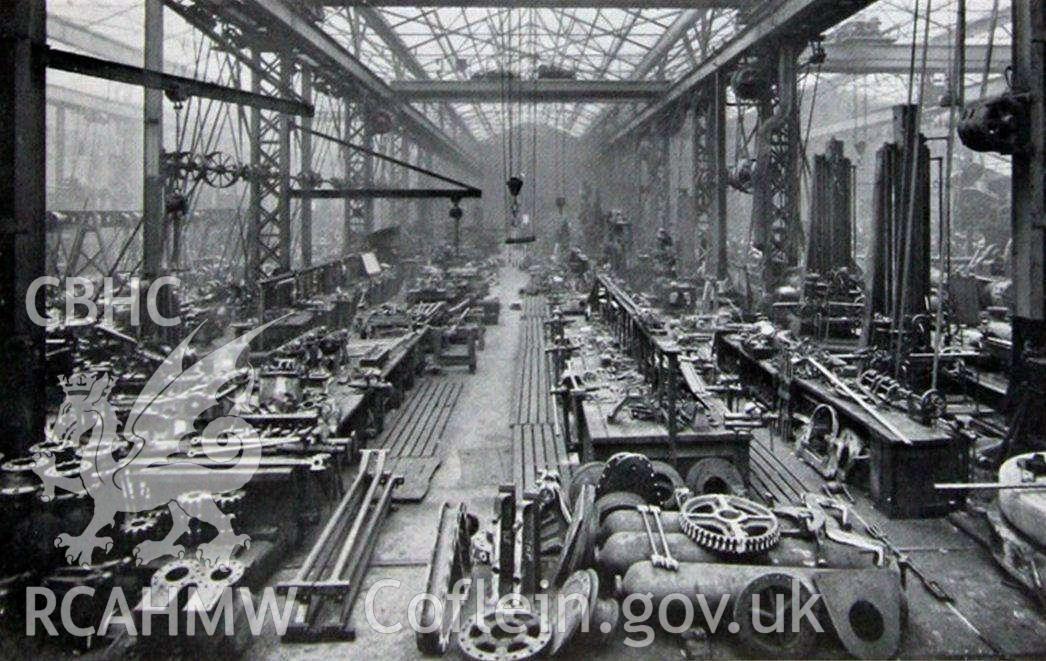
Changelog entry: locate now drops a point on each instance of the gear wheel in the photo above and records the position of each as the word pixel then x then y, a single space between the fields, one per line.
pixel 504 635
pixel 628 471
pixel 230 502
pixel 730 524
pixel 139 527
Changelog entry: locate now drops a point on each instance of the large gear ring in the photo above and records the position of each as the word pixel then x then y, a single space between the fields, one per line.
pixel 729 524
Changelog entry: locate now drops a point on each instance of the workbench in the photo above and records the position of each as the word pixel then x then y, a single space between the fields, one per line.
pixel 598 391
pixel 396 361
pixel 902 471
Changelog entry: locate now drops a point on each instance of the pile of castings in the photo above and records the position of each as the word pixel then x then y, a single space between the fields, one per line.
pixel 68 538
pixel 782 580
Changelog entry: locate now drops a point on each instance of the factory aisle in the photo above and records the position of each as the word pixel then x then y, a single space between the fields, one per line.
pixel 477 458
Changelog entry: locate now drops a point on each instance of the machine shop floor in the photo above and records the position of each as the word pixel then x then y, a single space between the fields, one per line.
pixel 478 457
pixel 988 617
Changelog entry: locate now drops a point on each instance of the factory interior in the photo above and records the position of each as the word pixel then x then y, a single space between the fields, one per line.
pixel 604 329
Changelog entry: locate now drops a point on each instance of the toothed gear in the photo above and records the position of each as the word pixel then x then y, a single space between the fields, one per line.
pixel 230 501
pixel 730 524
pixel 139 527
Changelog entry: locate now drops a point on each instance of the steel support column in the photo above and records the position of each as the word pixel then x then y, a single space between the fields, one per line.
pixel 23 74
pixel 359 172
pixel 628 193
pixel 283 127
pixel 1029 166
pixel 269 233
pixel 307 175
pixel 1027 383
pixel 153 208
pixel 653 183
pixel 775 201
pixel 710 177
pixel 424 233
pixel 60 137
pixel 399 177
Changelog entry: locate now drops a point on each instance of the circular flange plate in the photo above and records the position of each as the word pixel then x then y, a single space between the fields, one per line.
pixel 504 635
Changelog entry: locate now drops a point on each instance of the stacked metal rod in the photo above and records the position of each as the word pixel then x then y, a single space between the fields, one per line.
pixel 329 581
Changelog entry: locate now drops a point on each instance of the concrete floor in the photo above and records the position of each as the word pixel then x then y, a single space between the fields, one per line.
pixel 478 457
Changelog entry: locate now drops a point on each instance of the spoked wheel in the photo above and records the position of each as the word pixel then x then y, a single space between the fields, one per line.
pixel 730 524
pixel 513 635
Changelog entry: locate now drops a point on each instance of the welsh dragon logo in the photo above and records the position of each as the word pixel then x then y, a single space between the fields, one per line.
pixel 149 463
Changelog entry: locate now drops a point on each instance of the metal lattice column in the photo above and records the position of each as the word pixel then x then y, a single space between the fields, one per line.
pixel 775 202
pixel 307 175
pixel 710 179
pixel 625 194
pixel 654 182
pixel 270 226
pixel 402 179
pixel 359 171
pixel 153 206
pixel 424 233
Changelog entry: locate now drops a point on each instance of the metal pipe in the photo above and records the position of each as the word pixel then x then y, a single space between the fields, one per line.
pixel 328 529
pixel 838 383
pixel 987 486
pixel 350 539
pixel 359 566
